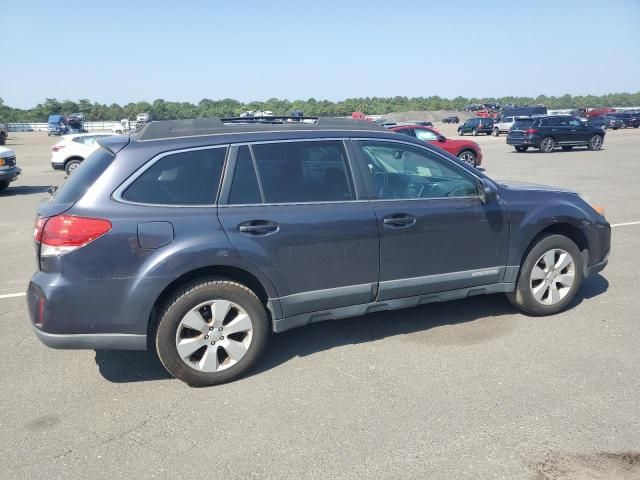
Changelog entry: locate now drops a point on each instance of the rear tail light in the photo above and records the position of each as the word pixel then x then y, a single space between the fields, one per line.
pixel 66 233
pixel 57 147
pixel 531 131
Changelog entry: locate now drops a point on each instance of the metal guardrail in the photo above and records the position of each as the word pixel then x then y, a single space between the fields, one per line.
pixel 43 126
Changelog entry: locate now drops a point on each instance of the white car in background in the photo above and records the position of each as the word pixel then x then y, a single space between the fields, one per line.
pixel 72 149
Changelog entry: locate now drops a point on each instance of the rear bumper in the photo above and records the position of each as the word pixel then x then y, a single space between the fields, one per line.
pixel 95 341
pixel 57 166
pixel 10 174
pixel 523 142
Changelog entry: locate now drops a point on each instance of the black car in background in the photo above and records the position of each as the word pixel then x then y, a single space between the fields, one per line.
pixel 606 121
pixel 547 133
pixel 452 119
pixel 630 119
pixel 477 125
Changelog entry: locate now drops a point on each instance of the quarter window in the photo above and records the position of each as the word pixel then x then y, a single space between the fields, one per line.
pixel 295 172
pixel 399 171
pixel 184 178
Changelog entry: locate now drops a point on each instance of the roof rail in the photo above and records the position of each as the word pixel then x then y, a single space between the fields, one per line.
pixel 167 129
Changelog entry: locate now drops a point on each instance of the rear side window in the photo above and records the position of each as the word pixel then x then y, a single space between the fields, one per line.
pixel 183 178
pixel 522 124
pixel 294 172
pixel 83 177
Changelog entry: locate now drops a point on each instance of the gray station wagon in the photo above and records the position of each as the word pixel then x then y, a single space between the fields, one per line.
pixel 197 238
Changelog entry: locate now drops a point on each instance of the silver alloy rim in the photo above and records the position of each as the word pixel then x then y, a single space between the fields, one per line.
pixel 552 276
pixel 468 157
pixel 73 166
pixel 547 144
pixel 596 142
pixel 214 336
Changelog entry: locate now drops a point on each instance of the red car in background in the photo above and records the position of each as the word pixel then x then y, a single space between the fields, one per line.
pixel 465 150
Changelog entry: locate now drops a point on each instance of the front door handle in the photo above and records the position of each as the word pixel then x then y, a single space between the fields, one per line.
pixel 399 220
pixel 258 227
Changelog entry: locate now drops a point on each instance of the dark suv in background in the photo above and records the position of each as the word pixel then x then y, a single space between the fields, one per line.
pixel 475 126
pixel 629 119
pixel 547 133
pixel 197 238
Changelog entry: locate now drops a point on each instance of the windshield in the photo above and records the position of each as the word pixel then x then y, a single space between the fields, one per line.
pixel 522 124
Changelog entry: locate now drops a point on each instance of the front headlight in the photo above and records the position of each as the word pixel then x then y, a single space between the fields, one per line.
pixel 597 208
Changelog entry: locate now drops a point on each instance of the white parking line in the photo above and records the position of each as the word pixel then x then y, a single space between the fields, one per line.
pixel 625 224
pixel 12 295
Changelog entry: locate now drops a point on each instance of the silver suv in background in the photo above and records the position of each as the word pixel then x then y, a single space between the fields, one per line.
pixel 504 125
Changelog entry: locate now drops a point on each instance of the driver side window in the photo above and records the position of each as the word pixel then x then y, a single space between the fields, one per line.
pixel 400 171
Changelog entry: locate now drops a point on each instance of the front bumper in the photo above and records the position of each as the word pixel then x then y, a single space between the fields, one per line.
pixel 10 174
pixel 522 142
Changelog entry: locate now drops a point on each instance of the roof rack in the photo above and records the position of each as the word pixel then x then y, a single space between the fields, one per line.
pixel 167 129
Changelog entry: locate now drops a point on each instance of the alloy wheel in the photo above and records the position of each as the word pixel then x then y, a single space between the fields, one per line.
pixel 468 157
pixel 214 336
pixel 596 142
pixel 552 276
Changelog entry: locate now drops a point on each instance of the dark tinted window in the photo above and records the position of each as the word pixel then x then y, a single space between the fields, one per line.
pixel 244 187
pixel 83 177
pixel 185 178
pixel 293 172
pixel 522 124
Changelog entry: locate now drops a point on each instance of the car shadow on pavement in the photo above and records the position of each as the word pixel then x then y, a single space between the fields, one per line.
pixel 25 190
pixel 137 366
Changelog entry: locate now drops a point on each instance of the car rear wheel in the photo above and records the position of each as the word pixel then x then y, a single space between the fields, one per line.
pixel 460 132
pixel 212 332
pixel 474 132
pixel 496 132
pixel 467 156
pixel 550 276
pixel 567 148
pixel 547 145
pixel 71 165
pixel 595 143
pixel 4 186
pixel 521 148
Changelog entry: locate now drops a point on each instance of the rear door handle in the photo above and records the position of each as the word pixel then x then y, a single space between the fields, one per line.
pixel 399 220
pixel 258 227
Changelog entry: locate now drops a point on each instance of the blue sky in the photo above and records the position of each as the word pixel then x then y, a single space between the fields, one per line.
pixel 122 51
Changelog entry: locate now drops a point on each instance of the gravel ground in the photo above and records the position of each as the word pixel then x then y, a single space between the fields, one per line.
pixel 468 389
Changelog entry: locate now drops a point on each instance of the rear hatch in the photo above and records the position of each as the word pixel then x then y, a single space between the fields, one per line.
pixel 519 128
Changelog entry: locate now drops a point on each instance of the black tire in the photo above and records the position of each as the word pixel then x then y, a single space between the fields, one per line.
pixel 567 148
pixel 522 297
pixel 460 132
pixel 188 298
pixel 595 142
pixel 547 145
pixel 71 165
pixel 119 132
pixel 469 157
pixel 521 148
pixel 496 132
pixel 3 138
pixel 474 132
pixel 3 186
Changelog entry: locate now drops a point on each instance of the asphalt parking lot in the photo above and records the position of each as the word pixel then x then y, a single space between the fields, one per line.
pixel 460 390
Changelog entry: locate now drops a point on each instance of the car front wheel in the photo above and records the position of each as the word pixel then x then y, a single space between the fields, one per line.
pixel 474 132
pixel 212 332
pixel 595 143
pixel 460 132
pixel 550 276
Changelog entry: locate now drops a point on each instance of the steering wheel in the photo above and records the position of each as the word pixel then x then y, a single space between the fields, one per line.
pixel 380 179
pixel 455 189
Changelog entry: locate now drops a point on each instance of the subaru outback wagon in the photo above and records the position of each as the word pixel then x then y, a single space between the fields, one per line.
pixel 198 238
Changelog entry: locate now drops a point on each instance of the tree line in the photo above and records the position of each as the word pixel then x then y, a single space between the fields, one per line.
pixel 166 110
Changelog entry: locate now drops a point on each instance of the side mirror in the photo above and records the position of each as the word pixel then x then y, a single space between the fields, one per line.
pixel 486 191
pixel 442 138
